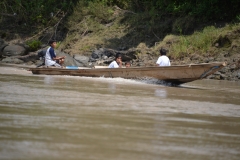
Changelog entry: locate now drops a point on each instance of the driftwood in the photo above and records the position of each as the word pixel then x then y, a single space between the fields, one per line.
pixel 29 57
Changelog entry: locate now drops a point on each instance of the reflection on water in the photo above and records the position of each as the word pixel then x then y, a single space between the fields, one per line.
pixel 112 87
pixel 161 93
pixel 49 80
pixel 64 117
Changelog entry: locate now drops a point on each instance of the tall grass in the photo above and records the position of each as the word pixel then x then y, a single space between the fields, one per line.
pixel 199 42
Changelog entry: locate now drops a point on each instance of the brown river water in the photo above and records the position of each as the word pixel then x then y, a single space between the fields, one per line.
pixel 65 117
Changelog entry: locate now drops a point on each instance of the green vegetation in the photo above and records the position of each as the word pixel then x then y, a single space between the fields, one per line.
pixel 182 25
pixel 200 42
pixel 35 11
pixel 34 45
pixel 39 11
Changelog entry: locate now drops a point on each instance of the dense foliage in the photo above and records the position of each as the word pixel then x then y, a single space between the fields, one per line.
pixel 35 11
pixel 39 11
pixel 202 9
pixel 34 45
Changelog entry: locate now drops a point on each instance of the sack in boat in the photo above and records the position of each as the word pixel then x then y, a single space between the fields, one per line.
pixel 42 53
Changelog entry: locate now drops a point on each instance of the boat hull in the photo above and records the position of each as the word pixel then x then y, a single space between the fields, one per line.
pixel 176 74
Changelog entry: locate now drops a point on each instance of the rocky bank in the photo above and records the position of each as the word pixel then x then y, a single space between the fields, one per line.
pixel 17 53
pixel 88 40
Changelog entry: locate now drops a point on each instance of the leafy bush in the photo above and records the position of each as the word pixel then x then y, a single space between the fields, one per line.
pixel 197 42
pixel 34 45
pixel 35 11
pixel 39 11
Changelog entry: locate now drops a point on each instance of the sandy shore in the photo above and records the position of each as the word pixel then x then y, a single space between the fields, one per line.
pixel 15 69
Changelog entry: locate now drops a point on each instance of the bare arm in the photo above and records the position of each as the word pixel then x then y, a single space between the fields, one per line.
pixel 59 58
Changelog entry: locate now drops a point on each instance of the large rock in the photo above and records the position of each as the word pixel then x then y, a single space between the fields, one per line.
pixel 14 50
pixel 104 56
pixel 32 56
pixel 82 61
pixel 104 53
pixel 97 54
pixel 12 60
pixel 3 44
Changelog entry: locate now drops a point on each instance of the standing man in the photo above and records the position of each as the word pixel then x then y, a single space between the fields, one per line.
pixel 163 60
pixel 51 59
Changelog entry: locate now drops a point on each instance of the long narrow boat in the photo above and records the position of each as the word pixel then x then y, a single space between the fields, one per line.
pixel 177 74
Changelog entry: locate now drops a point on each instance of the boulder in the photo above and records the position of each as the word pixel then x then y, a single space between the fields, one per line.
pixel 29 57
pixel 82 60
pixel 14 50
pixel 3 44
pixel 12 60
pixel 105 53
pixel 108 52
pixel 97 54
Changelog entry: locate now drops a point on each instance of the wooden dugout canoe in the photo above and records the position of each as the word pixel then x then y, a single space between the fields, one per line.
pixel 177 74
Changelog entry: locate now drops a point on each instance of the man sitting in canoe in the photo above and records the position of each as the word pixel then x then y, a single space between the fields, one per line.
pixel 117 63
pixel 51 59
pixel 163 60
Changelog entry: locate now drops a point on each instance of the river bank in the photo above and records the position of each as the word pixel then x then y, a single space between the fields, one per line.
pixel 90 42
pixel 102 57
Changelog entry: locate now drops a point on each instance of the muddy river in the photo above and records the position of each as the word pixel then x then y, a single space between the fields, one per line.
pixel 65 117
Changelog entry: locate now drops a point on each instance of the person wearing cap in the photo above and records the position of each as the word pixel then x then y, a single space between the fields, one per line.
pixel 163 60
pixel 117 63
pixel 51 59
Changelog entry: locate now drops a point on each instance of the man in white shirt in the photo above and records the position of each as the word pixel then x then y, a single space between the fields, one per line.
pixel 51 59
pixel 117 63
pixel 163 60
